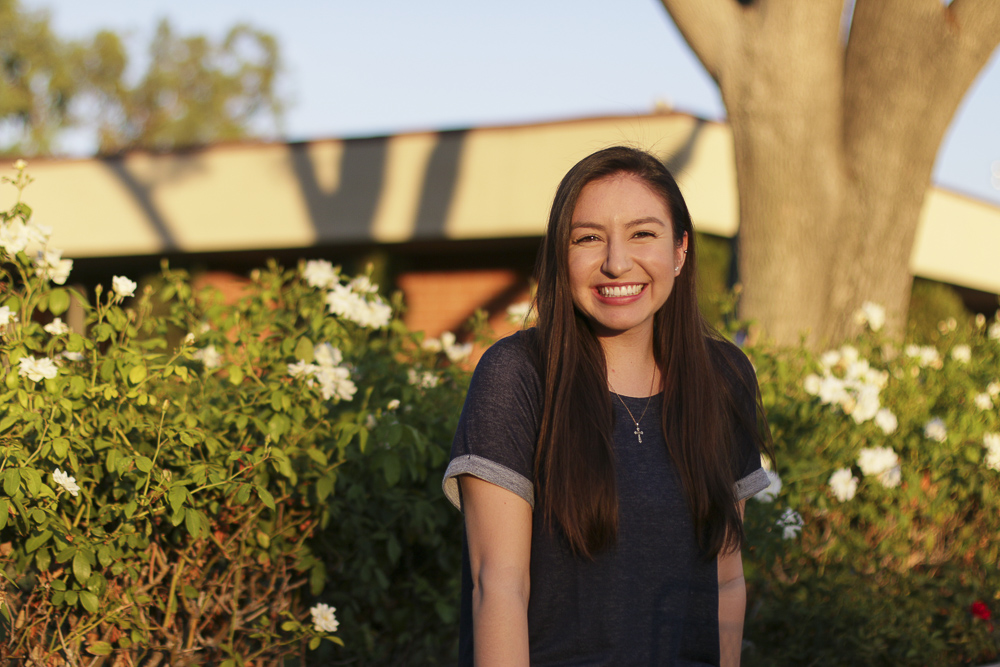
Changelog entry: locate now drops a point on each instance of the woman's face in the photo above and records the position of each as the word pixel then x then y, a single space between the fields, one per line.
pixel 622 256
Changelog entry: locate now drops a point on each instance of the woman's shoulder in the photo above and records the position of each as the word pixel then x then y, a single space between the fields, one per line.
pixel 513 354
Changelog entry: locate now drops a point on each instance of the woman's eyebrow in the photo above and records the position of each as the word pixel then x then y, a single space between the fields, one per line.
pixel 628 225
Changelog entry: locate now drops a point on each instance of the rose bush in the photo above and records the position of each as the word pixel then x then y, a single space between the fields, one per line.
pixel 891 457
pixel 195 482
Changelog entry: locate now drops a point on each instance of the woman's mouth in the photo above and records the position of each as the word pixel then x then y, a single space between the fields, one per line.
pixel 611 291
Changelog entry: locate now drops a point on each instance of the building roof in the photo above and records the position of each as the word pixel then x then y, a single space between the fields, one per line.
pixel 479 183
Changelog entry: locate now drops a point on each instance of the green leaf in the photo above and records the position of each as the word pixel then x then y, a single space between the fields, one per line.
pixel 81 567
pixel 4 512
pixel 192 522
pixel 288 626
pixel 130 508
pixel 235 375
pixel 144 463
pixel 265 496
pixel 324 487
pixel 43 558
pixel 391 468
pixel 11 481
pixel 104 555
pixel 304 350
pixel 314 643
pixel 317 456
pixel 8 421
pixel 190 592
pixel 111 460
pixel 176 497
pixel 100 648
pixel 60 446
pixel 58 301
pixel 89 601
pixel 37 540
pixel 243 495
pixel 71 597
pixel 137 374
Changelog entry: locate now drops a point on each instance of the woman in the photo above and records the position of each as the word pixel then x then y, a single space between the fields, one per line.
pixel 603 457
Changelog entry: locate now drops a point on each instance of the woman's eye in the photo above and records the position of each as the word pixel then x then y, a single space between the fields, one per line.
pixel 584 239
pixel 645 234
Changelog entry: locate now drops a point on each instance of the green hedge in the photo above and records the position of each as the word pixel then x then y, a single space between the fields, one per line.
pixel 187 478
pixel 896 561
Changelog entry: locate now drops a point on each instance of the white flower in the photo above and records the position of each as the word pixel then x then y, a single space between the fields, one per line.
pixel 327 355
pixel 843 484
pixel 867 404
pixel 877 460
pixel 36 369
pixel 829 359
pixel 7 317
pixel 301 369
pixel 320 273
pixel 811 384
pixel 209 357
pixel 344 302
pixel 122 286
pixel 994 331
pixel 188 339
pixel 871 314
pixel 980 320
pixel 768 494
pixel 886 421
pixel 519 313
pixel 962 353
pixel 14 236
pixel 363 285
pixel 425 380
pixel 324 618
pixel 454 351
pixel 890 478
pixel 790 523
pixel 431 344
pixel 983 401
pixel 935 430
pixel 848 354
pixel 56 327
pixel 926 355
pixel 393 404
pixel 71 356
pixel 993 388
pixel 51 266
pixel 20 165
pixel 66 482
pixel 991 441
pixel 335 382
pixel 371 422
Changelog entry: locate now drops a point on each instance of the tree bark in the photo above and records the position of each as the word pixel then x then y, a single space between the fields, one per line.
pixel 834 143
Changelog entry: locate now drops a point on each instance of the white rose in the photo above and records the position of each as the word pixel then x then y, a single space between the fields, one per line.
pixel 886 421
pixel 122 286
pixel 772 490
pixel 843 484
pixel 935 430
pixel 37 369
pixel 876 460
pixel 983 401
pixel 66 482
pixel 962 353
pixel 790 523
pixel 324 618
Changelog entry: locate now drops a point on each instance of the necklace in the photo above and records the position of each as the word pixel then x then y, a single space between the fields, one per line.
pixel 638 431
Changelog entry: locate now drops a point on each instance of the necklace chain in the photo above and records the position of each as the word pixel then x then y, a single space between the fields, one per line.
pixel 638 431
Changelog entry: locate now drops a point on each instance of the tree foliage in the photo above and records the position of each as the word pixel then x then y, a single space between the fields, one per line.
pixel 194 90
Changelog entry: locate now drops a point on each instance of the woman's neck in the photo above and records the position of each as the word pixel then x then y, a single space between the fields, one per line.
pixel 631 366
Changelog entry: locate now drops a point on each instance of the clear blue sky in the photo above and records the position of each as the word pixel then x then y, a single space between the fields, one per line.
pixel 363 67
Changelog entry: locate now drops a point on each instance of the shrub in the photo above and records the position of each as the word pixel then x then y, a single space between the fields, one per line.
pixel 890 459
pixel 183 478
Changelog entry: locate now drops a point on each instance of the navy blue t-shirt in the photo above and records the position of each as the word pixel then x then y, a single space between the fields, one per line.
pixel 651 599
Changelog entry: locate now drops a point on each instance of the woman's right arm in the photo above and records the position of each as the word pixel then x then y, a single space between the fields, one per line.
pixel 498 531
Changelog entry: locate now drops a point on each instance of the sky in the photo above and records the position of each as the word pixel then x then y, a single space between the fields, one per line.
pixel 372 67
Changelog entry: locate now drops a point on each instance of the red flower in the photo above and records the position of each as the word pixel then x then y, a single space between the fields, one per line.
pixel 980 610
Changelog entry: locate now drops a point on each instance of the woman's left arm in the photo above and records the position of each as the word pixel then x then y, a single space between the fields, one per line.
pixel 732 605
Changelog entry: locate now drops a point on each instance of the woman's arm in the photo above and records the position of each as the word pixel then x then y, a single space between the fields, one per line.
pixel 498 530
pixel 732 605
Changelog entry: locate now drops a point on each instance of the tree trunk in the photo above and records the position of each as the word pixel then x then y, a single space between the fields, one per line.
pixel 834 143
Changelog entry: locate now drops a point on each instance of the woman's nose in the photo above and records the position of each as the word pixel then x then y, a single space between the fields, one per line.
pixel 618 260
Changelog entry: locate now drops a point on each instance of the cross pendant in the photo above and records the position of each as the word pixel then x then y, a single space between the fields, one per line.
pixel 638 432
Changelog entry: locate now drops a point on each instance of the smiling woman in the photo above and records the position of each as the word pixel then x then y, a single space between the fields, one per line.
pixel 602 457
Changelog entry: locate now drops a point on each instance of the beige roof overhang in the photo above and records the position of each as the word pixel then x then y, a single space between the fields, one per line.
pixel 481 183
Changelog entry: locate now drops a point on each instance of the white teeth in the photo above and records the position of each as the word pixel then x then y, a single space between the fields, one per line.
pixel 626 290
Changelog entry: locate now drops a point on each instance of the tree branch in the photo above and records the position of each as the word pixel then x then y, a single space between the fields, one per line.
pixel 707 26
pixel 978 21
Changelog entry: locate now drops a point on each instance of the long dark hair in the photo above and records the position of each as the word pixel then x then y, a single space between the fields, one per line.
pixel 574 461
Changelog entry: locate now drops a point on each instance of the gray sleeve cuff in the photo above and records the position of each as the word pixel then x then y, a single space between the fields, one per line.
pixel 486 470
pixel 752 484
